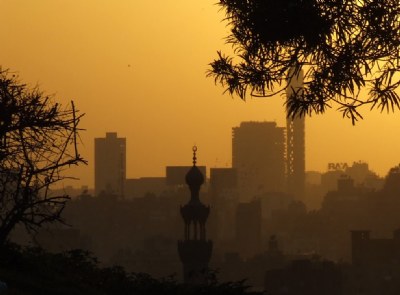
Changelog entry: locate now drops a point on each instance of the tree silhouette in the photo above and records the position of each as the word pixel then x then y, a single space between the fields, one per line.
pixel 343 46
pixel 28 270
pixel 38 140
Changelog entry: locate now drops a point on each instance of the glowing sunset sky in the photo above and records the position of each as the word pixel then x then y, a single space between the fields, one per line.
pixel 139 68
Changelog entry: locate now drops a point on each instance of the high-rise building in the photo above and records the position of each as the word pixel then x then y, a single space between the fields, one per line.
pixel 295 143
pixel 110 164
pixel 258 155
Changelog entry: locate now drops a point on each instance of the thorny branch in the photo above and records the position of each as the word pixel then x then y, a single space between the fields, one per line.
pixel 38 141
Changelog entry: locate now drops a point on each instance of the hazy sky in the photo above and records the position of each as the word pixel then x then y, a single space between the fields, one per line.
pixel 139 68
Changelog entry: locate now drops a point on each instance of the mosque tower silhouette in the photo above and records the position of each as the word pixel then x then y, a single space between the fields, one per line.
pixel 195 250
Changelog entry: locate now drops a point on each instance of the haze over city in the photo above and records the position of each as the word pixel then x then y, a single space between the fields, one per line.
pixel 200 147
pixel 139 69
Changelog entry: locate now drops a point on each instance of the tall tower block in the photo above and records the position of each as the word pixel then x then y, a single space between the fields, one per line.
pixel 110 164
pixel 295 144
pixel 258 155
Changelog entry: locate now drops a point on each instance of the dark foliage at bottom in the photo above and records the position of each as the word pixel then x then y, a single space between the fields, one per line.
pixel 34 271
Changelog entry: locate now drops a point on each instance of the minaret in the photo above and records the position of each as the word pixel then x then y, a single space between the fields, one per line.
pixel 295 142
pixel 195 250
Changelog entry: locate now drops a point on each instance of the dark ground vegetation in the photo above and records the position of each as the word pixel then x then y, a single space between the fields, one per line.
pixel 32 270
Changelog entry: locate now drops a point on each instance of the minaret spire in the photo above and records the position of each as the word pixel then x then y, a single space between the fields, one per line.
pixel 194 250
pixel 194 149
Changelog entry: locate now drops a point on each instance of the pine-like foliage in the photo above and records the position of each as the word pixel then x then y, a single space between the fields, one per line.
pixel 349 51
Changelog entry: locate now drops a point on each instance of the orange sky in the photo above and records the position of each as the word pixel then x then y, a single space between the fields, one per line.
pixel 138 68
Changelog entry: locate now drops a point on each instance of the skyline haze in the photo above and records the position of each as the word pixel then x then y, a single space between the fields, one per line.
pixel 139 69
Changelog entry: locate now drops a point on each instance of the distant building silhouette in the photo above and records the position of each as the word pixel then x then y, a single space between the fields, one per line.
pixel 375 265
pixel 375 253
pixel 195 250
pixel 235 268
pixel 358 171
pixel 258 155
pixel 110 164
pixel 139 187
pixel 73 192
pixel 295 144
pixel 224 198
pixel 62 238
pixel 248 228
pixel 305 277
pixel 274 201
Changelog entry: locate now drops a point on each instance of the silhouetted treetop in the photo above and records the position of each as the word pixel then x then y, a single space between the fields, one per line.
pixel 392 181
pixel 38 141
pixel 28 270
pixel 343 46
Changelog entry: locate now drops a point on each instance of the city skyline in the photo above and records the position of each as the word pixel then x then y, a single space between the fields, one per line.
pixel 329 165
pixel 98 53
pixel 158 147
pixel 259 172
